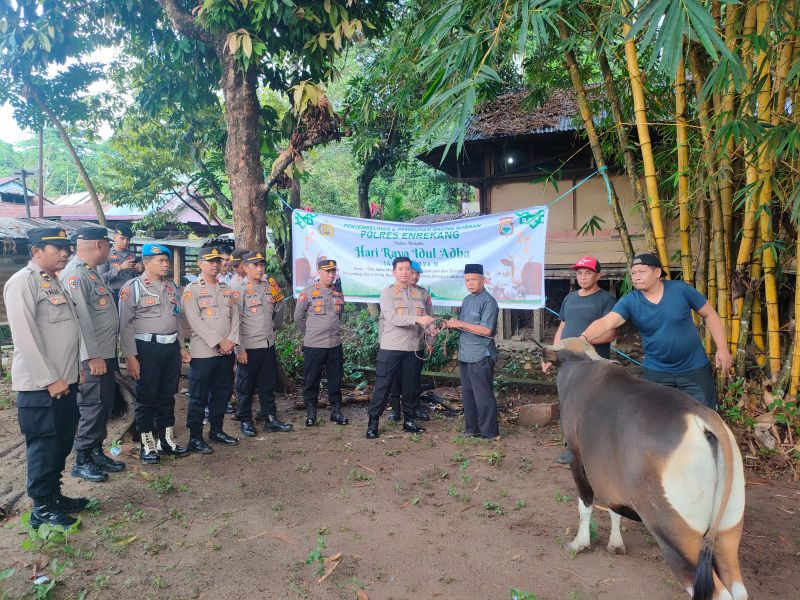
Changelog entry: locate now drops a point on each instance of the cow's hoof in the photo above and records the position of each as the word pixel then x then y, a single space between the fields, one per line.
pixel 577 547
pixel 617 549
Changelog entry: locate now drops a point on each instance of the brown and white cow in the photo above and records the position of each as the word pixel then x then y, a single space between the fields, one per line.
pixel 656 455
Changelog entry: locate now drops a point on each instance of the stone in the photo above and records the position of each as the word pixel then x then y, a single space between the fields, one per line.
pixel 539 415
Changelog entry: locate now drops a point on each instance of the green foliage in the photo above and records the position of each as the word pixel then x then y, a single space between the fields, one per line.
pixel 47 538
pixel 316 556
pixel 289 349
pixel 518 594
pixel 162 485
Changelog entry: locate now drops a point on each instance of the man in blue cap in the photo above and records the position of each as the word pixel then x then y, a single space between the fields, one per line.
pixel 122 264
pixel 44 372
pixel 419 413
pixel 151 339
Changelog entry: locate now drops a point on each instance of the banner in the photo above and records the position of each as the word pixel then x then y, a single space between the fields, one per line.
pixel 510 246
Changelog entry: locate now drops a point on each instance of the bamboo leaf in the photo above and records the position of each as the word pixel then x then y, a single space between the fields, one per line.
pixel 523 27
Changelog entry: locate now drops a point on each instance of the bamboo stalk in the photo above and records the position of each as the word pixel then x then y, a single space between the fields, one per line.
pixel 740 353
pixel 712 291
pixel 765 199
pixel 683 173
pixel 785 53
pixel 701 274
pixel 646 147
pixel 795 377
pixel 594 141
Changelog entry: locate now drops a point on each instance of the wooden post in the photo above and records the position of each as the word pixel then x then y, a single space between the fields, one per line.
pixel 538 324
pixel 177 265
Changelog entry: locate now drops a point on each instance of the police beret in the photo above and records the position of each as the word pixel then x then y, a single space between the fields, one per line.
pixel 155 250
pixel 41 236
pixel 124 230
pixel 415 267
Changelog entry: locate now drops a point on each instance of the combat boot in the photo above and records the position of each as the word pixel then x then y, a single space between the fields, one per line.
pixel 337 416
pixel 167 445
pixel 198 444
pixel 273 424
pixel 411 426
pixel 147 453
pixel 106 463
pixel 421 414
pixel 46 512
pixel 66 504
pixel 85 467
pixel 311 415
pixel 248 428
pixel 372 428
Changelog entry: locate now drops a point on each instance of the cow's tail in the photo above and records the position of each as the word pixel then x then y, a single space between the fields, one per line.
pixel 720 441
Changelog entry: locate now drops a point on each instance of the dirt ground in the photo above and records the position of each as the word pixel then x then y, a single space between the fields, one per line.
pixel 428 516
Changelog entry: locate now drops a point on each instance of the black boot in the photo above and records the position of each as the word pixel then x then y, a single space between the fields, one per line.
pixel 66 504
pixel 167 444
pixel 248 428
pixel 311 415
pixel 337 416
pixel 273 424
pixel 147 453
pixel 85 468
pixel 411 426
pixel 106 463
pixel 198 444
pixel 220 437
pixel 45 511
pixel 372 428
pixel 422 415
pixel 395 415
pixel 229 409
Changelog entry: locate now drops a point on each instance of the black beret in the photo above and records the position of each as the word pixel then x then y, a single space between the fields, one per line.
pixel 123 229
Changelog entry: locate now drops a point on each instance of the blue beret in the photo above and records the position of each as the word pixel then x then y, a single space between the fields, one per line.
pixel 415 266
pixel 155 250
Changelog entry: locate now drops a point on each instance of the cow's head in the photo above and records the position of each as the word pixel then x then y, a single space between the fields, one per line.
pixel 570 349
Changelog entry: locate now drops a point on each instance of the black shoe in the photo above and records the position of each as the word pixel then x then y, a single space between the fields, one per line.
pixel 311 422
pixel 425 387
pixel 395 416
pixel 273 424
pixel 85 468
pixel 338 418
pixel 168 446
pixel 229 410
pixel 45 512
pixel 248 428
pixel 410 426
pixel 220 437
pixel 422 415
pixel 148 453
pixel 106 463
pixel 259 416
pixel 198 444
pixel 566 457
pixel 372 429
pixel 66 504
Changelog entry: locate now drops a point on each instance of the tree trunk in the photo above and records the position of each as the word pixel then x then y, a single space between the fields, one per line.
pixel 33 94
pixel 594 141
pixel 371 167
pixel 650 176
pixel 631 167
pixel 243 152
pixel 682 137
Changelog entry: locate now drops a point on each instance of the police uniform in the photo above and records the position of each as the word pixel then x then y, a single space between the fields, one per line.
pixel 318 316
pixel 400 340
pixel 214 317
pixel 258 313
pixel 46 337
pixel 151 331
pixel 112 271
pixel 99 323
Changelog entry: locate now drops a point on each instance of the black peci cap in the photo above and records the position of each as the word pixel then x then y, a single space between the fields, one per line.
pixel 474 269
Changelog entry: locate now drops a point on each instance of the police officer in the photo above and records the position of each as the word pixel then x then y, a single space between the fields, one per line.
pixel 99 322
pixel 318 316
pixel 213 316
pixel 257 364
pixel 151 339
pixel 122 264
pixel 404 318
pixel 44 372
pixel 419 413
pixel 477 354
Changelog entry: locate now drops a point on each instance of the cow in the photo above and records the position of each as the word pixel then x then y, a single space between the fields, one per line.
pixel 655 455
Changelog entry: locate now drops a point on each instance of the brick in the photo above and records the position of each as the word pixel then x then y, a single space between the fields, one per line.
pixel 538 414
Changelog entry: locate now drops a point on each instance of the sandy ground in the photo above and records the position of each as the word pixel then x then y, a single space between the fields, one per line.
pixel 427 516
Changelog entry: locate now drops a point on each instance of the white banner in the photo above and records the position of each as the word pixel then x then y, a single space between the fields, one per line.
pixel 510 246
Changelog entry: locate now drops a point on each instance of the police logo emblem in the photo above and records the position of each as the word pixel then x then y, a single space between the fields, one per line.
pixel 74 282
pixel 506 226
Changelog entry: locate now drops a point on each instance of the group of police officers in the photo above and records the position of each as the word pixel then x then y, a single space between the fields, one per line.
pixel 68 317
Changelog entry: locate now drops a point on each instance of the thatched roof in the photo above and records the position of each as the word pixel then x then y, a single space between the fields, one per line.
pixel 509 116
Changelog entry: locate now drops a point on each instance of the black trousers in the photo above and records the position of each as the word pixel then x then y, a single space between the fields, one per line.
pixel 48 425
pixel 260 373
pixel 698 383
pixel 480 405
pixel 210 383
pixel 96 397
pixel 397 388
pixel 315 361
pixel 393 364
pixel 157 385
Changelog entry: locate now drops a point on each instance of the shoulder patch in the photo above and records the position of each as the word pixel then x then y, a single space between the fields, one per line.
pixel 187 295
pixel 74 282
pixel 123 295
pixel 302 296
pixel 236 294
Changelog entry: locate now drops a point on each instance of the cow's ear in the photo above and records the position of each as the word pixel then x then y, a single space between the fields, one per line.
pixel 549 354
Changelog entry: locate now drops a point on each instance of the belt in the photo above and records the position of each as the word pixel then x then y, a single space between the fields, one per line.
pixel 155 337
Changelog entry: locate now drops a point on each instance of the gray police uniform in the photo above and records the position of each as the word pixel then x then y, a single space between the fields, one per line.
pixel 214 317
pixel 258 315
pixel 99 322
pixel 476 356
pixel 396 388
pixel 46 337
pixel 151 331
pixel 318 316
pixel 400 340
pixel 113 272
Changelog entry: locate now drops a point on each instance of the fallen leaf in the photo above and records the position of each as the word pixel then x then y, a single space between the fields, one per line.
pixel 126 541
pixel 284 538
pixel 362 595
pixel 330 566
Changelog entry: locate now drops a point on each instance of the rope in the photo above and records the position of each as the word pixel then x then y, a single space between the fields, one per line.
pixel 601 171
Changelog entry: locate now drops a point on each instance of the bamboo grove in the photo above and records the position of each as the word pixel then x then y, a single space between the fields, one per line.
pixel 694 101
